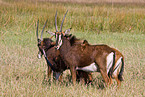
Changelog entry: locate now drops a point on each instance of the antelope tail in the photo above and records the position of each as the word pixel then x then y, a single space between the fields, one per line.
pixel 121 71
pixel 110 73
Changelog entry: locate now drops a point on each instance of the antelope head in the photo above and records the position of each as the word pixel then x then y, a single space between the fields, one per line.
pixel 59 33
pixel 40 41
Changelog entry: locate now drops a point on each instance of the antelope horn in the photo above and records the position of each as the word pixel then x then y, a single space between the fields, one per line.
pixel 43 29
pixel 63 21
pixel 37 30
pixel 56 22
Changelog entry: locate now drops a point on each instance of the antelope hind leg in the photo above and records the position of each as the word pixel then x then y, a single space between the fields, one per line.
pixel 105 77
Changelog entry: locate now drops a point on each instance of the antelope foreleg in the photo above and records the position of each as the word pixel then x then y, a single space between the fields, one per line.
pixel 48 73
pixel 73 73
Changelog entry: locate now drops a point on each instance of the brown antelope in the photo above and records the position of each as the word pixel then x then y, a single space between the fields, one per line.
pixel 46 47
pixel 92 58
pixel 53 59
pixel 119 61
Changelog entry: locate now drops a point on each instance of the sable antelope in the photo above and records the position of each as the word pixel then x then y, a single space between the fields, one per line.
pixel 46 47
pixel 53 59
pixel 119 61
pixel 92 58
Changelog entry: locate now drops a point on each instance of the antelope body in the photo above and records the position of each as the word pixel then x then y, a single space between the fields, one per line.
pixel 119 63
pixel 76 58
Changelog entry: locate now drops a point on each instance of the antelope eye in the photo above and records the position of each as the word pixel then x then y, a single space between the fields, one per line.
pixel 39 44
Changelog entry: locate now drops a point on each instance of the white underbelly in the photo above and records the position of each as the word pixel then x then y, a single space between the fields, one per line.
pixel 90 68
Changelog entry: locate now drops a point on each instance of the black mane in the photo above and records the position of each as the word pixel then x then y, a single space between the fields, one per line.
pixel 72 39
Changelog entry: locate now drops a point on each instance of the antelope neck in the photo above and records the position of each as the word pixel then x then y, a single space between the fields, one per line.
pixel 65 44
pixel 48 60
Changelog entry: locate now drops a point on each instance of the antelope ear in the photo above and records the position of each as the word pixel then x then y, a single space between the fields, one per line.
pixel 53 43
pixel 67 31
pixel 85 42
pixel 51 33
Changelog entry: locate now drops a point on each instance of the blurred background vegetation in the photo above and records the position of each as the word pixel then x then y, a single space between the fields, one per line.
pixel 83 15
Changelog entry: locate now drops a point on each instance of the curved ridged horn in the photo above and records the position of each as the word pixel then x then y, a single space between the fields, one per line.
pixel 43 29
pixel 56 22
pixel 63 21
pixel 37 30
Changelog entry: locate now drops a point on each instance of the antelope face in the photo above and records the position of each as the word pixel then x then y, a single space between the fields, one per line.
pixel 59 34
pixel 45 44
pixel 58 40
pixel 40 41
pixel 40 52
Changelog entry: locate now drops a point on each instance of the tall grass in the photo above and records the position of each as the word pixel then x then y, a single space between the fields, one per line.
pixel 84 17
pixel 22 74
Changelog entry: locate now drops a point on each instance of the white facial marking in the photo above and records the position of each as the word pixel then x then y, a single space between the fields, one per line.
pixel 56 36
pixel 59 39
pixel 109 61
pixel 39 56
pixel 117 66
pixel 59 42
pixel 59 45
pixel 90 68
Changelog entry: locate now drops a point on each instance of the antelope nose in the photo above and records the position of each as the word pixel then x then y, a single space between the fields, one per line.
pixel 39 56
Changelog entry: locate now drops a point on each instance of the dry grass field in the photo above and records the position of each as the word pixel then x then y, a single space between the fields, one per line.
pixel 118 25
